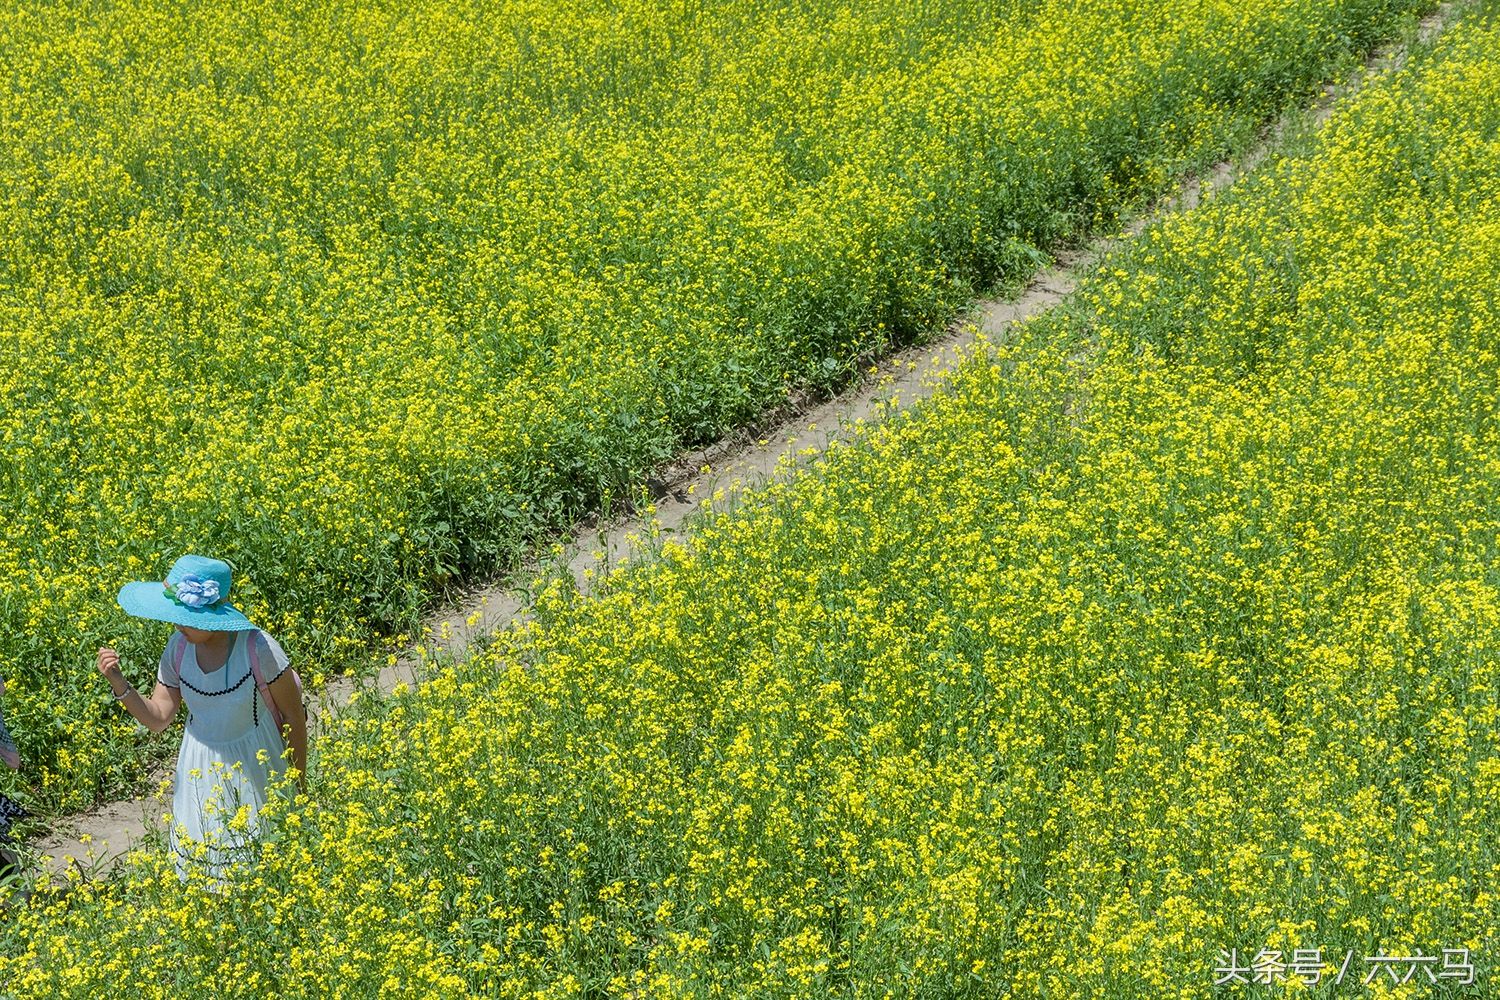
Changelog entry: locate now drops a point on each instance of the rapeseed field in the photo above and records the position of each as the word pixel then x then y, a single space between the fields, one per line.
pixel 365 298
pixel 1167 629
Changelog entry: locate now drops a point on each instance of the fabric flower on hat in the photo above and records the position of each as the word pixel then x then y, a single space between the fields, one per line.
pixel 195 592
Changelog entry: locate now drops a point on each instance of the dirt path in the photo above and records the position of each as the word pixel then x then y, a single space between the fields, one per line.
pixel 94 840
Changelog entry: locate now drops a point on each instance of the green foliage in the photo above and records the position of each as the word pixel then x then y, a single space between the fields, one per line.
pixel 1168 627
pixel 367 299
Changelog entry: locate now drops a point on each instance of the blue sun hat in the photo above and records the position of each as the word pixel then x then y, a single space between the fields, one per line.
pixel 195 594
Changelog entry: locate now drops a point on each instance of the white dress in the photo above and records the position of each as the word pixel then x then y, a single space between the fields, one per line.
pixel 231 753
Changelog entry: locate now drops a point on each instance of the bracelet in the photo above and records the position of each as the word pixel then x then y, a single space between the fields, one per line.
pixel 121 697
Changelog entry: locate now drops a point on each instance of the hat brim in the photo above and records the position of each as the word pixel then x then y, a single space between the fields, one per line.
pixel 146 600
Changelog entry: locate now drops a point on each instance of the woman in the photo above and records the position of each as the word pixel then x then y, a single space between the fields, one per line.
pixel 232 749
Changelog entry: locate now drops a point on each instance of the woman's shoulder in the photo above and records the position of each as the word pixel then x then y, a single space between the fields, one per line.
pixel 265 639
pixel 268 653
pixel 169 665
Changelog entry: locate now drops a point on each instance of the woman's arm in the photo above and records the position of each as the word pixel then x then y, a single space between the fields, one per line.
pixel 293 722
pixel 155 712
pixel 8 752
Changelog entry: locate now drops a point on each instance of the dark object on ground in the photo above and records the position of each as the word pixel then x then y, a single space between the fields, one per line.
pixel 10 811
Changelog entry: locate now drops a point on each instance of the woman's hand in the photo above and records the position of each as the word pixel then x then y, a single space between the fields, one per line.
pixel 109 666
pixel 155 712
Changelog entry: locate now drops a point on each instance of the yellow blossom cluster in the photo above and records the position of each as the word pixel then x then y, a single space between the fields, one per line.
pixel 366 297
pixel 1168 627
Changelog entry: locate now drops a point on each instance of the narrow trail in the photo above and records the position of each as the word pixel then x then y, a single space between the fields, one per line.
pixel 94 840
